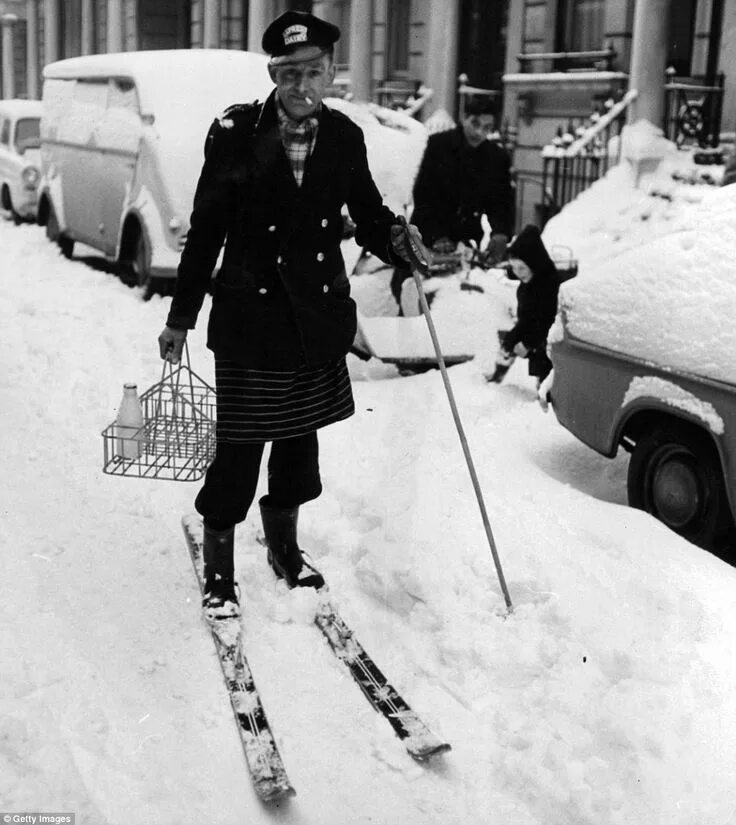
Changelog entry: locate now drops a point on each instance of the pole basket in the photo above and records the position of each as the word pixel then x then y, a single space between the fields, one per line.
pixel 177 439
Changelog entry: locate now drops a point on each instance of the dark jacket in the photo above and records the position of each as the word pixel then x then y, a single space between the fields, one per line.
pixel 281 297
pixel 536 300
pixel 457 184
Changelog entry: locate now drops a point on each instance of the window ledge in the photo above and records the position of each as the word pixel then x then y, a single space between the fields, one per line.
pixel 568 80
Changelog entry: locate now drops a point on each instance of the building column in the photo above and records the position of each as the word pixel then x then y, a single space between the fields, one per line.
pixel 32 61
pixel 361 49
pixel 649 60
pixel 444 25
pixel 211 24
pixel 51 30
pixel 114 26
pixel 325 9
pixel 88 27
pixel 258 20
pixel 8 21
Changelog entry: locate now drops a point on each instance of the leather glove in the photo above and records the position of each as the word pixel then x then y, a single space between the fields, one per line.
pixel 443 245
pixel 399 243
pixel 497 247
pixel 171 344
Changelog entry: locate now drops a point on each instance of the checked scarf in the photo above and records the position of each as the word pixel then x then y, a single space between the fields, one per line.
pixel 298 138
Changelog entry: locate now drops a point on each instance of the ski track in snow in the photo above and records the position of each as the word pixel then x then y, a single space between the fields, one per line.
pixel 606 697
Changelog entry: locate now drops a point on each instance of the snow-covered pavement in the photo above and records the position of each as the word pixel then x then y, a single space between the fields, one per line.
pixel 606 697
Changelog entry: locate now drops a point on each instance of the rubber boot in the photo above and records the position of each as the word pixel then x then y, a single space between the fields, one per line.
pixel 284 554
pixel 220 591
pixel 498 374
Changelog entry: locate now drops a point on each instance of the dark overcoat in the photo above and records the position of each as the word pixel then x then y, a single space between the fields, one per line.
pixel 281 297
pixel 536 300
pixel 457 184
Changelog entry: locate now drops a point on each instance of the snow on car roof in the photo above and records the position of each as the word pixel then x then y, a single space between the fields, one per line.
pixel 161 75
pixel 21 108
pixel 671 300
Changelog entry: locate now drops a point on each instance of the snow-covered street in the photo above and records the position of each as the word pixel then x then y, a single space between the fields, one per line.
pixel 605 698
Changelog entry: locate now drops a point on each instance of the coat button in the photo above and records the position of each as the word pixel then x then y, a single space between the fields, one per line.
pixel 320 256
pixel 263 290
pixel 272 228
pixel 324 222
pixel 325 288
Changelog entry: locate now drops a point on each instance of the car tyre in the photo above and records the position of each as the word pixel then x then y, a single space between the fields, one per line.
pixel 6 202
pixel 54 234
pixel 675 475
pixel 135 263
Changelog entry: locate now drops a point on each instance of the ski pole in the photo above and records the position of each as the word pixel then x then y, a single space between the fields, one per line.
pixel 420 266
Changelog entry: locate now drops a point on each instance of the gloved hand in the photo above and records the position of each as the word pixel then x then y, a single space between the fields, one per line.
pixel 497 247
pixel 521 350
pixel 171 344
pixel 400 244
pixel 443 245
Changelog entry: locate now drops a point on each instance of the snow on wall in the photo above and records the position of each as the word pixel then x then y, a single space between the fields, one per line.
pixel 653 387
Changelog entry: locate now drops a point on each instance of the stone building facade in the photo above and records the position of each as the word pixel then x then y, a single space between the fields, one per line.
pixel 547 62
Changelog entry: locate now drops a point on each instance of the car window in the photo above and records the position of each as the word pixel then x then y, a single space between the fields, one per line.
pixel 27 133
pixel 5 132
pixel 57 101
pixel 89 99
pixel 121 129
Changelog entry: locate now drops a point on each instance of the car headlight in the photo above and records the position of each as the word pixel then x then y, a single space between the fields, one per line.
pixel 30 176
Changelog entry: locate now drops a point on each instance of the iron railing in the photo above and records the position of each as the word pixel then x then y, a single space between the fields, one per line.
pixel 693 112
pixel 571 165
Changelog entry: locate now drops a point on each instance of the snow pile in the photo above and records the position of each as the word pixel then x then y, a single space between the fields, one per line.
pixel 395 144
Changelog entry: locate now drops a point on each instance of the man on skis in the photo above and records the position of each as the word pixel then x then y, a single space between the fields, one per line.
pixel 275 178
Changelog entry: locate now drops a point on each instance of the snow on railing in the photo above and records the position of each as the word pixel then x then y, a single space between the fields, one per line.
pixel 574 161
pixel 569 146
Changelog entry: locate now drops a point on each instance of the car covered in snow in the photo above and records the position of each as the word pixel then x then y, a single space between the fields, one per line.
pixel 122 139
pixel 644 354
pixel 19 157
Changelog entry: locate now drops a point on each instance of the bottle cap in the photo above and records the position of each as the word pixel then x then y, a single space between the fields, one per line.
pixel 130 386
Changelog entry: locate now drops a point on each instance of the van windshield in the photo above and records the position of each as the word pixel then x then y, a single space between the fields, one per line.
pixel 28 133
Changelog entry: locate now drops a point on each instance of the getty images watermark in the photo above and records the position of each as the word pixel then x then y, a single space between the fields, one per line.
pixel 37 818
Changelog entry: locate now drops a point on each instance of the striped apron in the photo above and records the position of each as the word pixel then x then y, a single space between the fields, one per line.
pixel 265 405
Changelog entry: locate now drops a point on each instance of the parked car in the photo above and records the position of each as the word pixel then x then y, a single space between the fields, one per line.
pixel 122 139
pixel 643 355
pixel 19 157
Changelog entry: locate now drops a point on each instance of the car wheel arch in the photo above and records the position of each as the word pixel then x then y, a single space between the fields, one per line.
pixel 658 439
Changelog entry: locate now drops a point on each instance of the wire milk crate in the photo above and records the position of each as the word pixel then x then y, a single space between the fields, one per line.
pixel 177 439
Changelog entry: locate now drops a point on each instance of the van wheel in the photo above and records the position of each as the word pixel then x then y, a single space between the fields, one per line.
pixel 65 244
pixel 675 475
pixel 135 265
pixel 7 204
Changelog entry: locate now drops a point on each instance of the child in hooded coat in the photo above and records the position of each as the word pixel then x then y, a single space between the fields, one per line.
pixel 536 300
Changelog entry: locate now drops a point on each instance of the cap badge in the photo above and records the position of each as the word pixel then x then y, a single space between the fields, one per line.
pixel 295 34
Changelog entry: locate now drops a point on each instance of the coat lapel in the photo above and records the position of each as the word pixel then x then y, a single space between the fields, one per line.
pixel 273 165
pixel 320 165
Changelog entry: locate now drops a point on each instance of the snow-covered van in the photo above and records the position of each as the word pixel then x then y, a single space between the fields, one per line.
pixel 644 354
pixel 122 139
pixel 19 157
